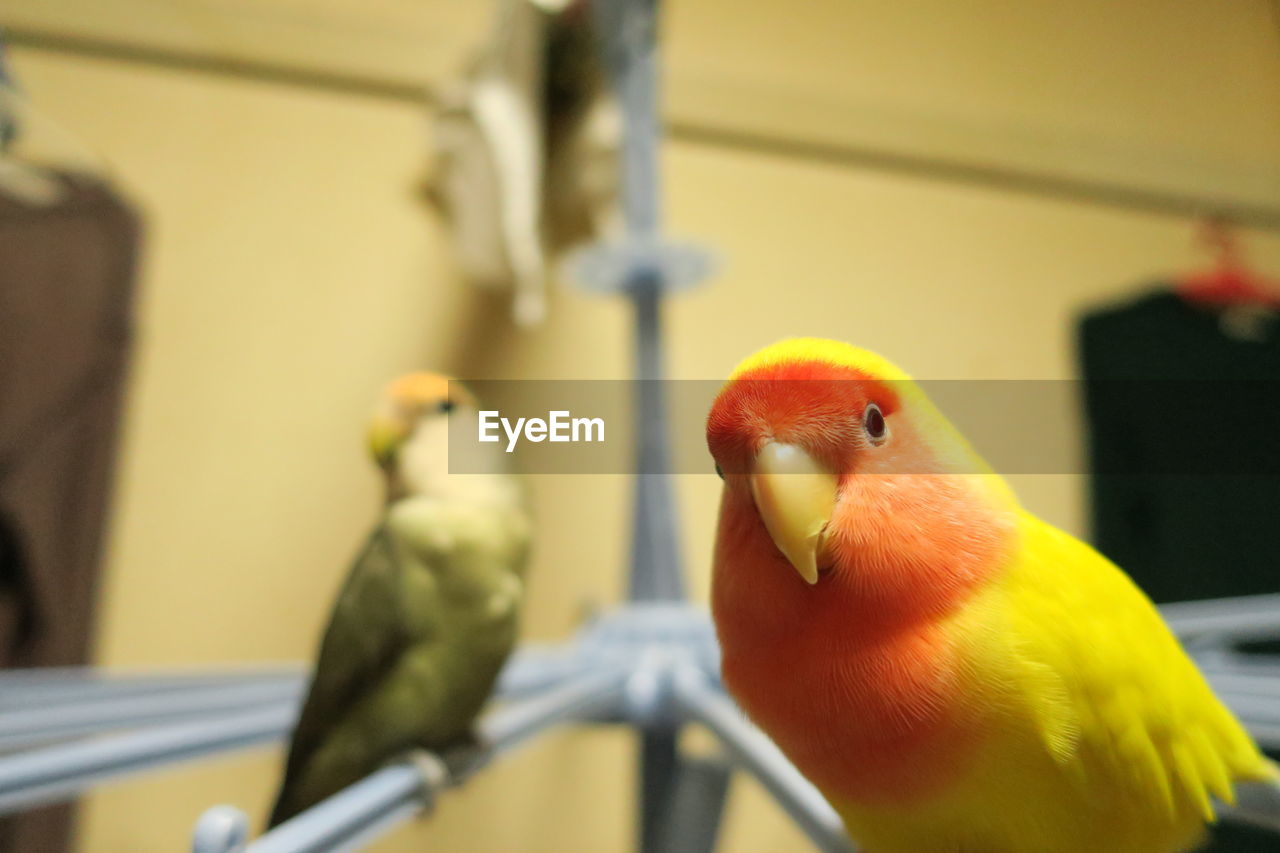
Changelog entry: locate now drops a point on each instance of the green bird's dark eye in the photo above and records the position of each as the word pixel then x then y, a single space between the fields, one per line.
pixel 445 407
pixel 873 423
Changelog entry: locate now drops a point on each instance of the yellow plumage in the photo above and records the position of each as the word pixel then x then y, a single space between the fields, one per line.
pixel 1095 710
pixel 795 350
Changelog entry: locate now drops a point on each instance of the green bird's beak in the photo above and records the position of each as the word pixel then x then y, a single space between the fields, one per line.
pixel 795 496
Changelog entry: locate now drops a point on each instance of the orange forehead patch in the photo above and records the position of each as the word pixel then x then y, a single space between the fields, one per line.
pixel 422 388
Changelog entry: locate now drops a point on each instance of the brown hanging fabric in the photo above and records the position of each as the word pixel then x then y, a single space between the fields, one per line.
pixel 66 287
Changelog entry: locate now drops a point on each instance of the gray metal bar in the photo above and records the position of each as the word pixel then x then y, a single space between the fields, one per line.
pixel 370 807
pixel 1254 699
pixel 98 684
pixel 754 751
pixel 1256 804
pixel 631 44
pixel 1242 617
pixel 1236 663
pixel 60 720
pixel 379 827
pixel 221 829
pixel 528 670
pixel 61 772
pixel 1245 684
pixel 589 696
pixel 659 769
pixel 396 791
pixel 533 669
pixel 1250 707
pixel 1266 734
pixel 238 713
pixel 697 806
pixel 629 34
pixel 656 572
pixel 72 675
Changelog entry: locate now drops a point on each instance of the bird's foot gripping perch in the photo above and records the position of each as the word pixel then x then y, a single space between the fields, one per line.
pixel 462 759
pixel 436 775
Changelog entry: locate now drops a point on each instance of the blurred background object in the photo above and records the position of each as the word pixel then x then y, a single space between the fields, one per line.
pixel 67 255
pixel 993 168
pixel 1181 382
pixel 526 147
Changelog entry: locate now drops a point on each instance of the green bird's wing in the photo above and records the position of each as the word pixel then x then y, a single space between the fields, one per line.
pixel 357 651
pixel 418 636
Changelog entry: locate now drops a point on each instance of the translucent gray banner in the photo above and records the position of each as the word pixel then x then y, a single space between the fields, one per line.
pixel 1138 427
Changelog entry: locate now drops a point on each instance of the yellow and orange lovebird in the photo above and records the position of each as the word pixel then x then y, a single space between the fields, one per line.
pixel 954 674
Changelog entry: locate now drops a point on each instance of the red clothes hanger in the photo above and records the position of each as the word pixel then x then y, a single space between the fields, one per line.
pixel 1231 281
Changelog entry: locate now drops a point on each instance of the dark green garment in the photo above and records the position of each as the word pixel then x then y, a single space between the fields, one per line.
pixel 1183 420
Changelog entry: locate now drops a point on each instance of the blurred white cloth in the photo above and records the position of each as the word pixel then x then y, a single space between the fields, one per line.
pixel 526 149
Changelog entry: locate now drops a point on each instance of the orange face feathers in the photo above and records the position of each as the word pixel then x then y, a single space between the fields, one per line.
pixel 842 418
pixel 407 400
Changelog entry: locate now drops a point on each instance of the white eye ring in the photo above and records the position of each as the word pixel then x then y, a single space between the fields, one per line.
pixel 874 424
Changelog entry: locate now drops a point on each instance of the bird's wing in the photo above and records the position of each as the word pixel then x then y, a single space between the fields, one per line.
pixel 363 640
pixel 457 600
pixel 417 638
pixel 1115 691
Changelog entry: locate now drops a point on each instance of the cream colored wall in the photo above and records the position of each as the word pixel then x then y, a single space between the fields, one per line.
pixel 290 270
pixel 1146 94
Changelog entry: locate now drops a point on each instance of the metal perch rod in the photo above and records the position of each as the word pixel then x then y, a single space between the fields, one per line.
pixel 533 669
pixel 64 704
pixel 61 772
pixel 754 751
pixel 1253 674
pixel 61 720
pixel 34 687
pixel 1243 617
pixel 54 676
pixel 181 724
pixel 1258 805
pixel 397 792
pixel 1249 684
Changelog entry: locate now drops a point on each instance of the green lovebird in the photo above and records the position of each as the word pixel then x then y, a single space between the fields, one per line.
pixel 427 615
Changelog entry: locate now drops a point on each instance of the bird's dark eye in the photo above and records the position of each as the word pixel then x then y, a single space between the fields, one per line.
pixel 873 423
pixel 445 407
pixel 719 471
